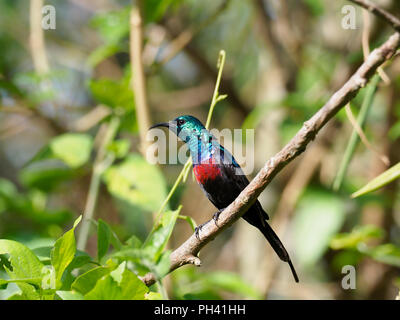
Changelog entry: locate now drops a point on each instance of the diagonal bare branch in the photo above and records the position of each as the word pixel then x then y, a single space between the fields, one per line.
pixel 372 7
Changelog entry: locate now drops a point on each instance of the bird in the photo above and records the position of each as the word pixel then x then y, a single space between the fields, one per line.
pixel 221 178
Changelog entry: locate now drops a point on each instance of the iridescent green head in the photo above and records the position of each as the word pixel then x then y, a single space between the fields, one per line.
pixel 185 127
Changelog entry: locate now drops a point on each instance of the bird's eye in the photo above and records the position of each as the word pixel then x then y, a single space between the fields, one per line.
pixel 180 122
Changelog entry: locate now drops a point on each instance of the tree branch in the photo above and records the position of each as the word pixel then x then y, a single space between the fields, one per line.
pixel 187 252
pixel 138 78
pixel 386 16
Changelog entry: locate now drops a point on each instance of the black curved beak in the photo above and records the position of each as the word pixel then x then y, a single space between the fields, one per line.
pixel 162 124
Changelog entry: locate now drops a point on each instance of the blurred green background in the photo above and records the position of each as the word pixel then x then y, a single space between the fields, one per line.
pixel 59 100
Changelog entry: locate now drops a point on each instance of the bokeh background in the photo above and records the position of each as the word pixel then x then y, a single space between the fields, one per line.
pixel 58 98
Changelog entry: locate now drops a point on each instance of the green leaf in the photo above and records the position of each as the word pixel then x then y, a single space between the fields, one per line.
pixel 64 252
pixel 142 261
pixel 158 239
pixel 28 292
pixel 35 281
pixel 116 243
pixel 81 258
pixel 355 237
pixel 103 238
pixel 23 261
pixel 25 267
pixel 134 242
pixel 70 295
pixel 320 215
pixel 136 182
pixel 380 181
pixel 132 287
pixel 120 284
pixel 86 282
pixel 72 148
pixel 105 289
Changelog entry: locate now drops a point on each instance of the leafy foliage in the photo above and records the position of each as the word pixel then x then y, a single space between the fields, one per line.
pixel 112 280
pixel 37 281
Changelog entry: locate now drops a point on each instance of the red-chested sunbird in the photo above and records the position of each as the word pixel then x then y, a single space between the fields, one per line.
pixel 221 178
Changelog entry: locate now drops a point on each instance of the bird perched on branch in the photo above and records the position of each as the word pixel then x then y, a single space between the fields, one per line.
pixel 221 178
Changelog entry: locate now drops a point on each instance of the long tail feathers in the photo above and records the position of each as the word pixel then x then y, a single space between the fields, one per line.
pixel 277 245
pixel 296 278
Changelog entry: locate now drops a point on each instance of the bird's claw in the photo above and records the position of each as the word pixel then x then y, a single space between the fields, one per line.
pixel 200 226
pixel 198 229
pixel 216 216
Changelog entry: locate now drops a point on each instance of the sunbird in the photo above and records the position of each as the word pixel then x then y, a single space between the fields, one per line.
pixel 221 178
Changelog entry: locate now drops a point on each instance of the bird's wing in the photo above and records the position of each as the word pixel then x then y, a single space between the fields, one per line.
pixel 232 171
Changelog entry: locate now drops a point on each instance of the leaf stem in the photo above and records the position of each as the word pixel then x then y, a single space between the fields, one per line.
pixel 216 96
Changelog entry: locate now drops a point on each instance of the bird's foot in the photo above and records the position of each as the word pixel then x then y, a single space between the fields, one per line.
pixel 216 216
pixel 200 226
pixel 198 229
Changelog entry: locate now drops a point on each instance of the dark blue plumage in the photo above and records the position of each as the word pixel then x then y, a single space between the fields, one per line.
pixel 221 178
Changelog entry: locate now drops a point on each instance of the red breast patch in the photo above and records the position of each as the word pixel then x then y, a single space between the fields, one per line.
pixel 206 171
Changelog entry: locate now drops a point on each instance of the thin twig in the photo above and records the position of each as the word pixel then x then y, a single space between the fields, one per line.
pixel 37 43
pixel 138 79
pixel 216 96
